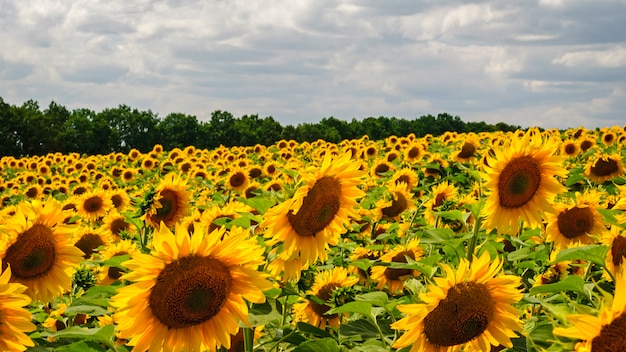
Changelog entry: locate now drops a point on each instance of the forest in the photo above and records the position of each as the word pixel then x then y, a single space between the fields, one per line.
pixel 29 129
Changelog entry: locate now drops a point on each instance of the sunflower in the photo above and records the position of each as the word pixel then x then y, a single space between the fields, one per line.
pixel 604 332
pixel 109 274
pixel 315 217
pixel 435 165
pixel 469 149
pixel 406 175
pixel 37 246
pixel 237 179
pixel 570 148
pixel 413 153
pixel 363 253
pixel 439 195
pixel 170 202
pixel 587 143
pixel 520 182
pixel 615 239
pixel 381 168
pixel 116 224
pixel 33 191
pixel 218 216
pixel 120 199
pixel 188 294
pixel 93 205
pixel 394 277
pixel 15 319
pixel 326 283
pixel 470 309
pixel 575 224
pixel 604 167
pixel 88 239
pixel 395 201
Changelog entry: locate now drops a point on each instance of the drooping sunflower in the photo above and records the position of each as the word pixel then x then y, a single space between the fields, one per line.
pixel 15 319
pixel 575 224
pixel 315 217
pixel 93 205
pixel 394 277
pixel 470 309
pixel 604 332
pixel 37 245
pixel 188 294
pixel 170 202
pixel 604 167
pixel 521 183
pixel 326 282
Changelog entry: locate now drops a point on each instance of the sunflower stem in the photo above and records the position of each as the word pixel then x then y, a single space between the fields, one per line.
pixel 471 246
pixel 248 339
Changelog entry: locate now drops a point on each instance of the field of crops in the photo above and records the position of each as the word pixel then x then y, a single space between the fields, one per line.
pixel 459 242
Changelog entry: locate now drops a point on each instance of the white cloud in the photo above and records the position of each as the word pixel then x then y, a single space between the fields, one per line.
pixel 613 57
pixel 302 60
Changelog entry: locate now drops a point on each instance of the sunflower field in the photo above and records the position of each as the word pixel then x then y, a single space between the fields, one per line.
pixel 503 241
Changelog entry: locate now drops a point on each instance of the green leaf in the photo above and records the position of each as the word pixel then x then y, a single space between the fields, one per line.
pixel 363 308
pixel 573 283
pixel 454 215
pixel 436 236
pixel 314 330
pixel 593 253
pixel 80 346
pixel 376 298
pixel 86 309
pixel 321 345
pixel 261 308
pixel 363 328
pixel 102 335
pixel 116 261
pixel 609 216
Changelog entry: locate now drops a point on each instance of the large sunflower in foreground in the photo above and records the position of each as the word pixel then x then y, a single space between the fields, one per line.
pixel 14 318
pixel 188 294
pixel 170 202
pixel 325 284
pixel 38 247
pixel 319 212
pixel 521 183
pixel 470 309
pixel 576 224
pixel 605 332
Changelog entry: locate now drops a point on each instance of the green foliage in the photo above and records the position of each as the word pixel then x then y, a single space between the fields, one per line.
pixel 29 130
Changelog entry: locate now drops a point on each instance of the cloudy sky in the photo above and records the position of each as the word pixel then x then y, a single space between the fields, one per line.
pixel 548 63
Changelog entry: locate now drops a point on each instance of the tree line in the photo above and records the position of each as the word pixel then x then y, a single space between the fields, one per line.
pixel 28 129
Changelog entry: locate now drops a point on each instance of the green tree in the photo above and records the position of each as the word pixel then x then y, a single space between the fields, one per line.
pixel 178 130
